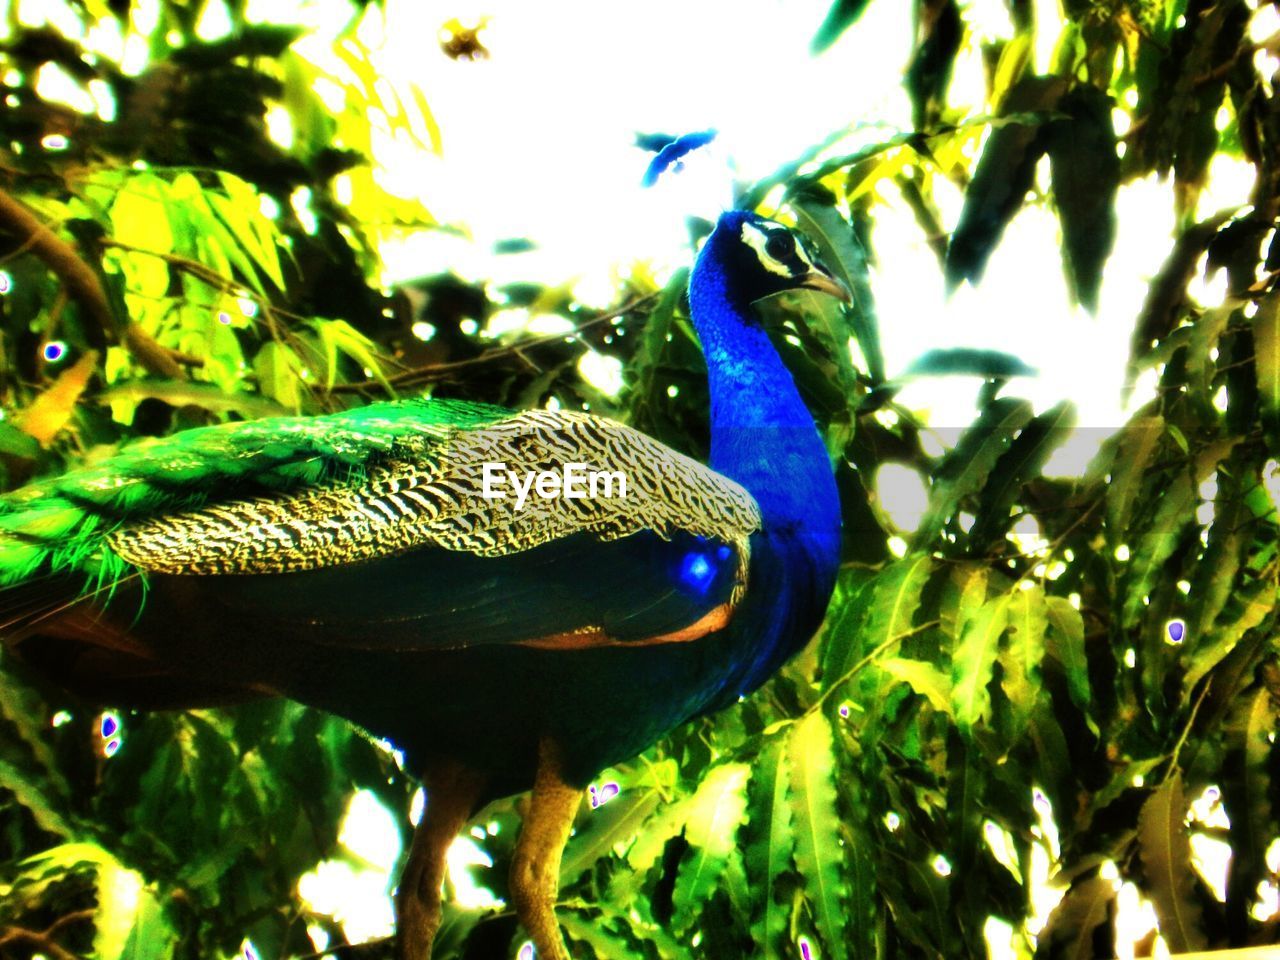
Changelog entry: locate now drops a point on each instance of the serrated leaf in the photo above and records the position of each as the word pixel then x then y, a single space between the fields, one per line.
pixel 1266 343
pixel 842 252
pixel 923 678
pixel 278 370
pixel 770 844
pixel 1085 174
pixel 1174 511
pixel 1021 463
pixel 842 631
pixel 716 812
pixel 604 941
pixel 810 749
pixel 1247 789
pixel 607 828
pixel 1134 449
pixel 1244 611
pixel 966 468
pixel 1022 655
pixel 1165 848
pixel 973 662
pixel 1069 932
pixel 893 600
pixel 32 795
pixel 1216 571
pixel 1004 175
pixel 1065 643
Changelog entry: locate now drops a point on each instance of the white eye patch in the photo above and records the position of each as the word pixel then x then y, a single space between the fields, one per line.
pixel 757 239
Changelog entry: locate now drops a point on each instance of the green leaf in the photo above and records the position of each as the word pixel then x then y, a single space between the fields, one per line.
pixel 606 828
pixel 1266 341
pixel 1247 789
pixel 279 371
pixel 939 33
pixel 17 443
pixel 1174 511
pixel 966 468
pixel 605 941
pixel 338 336
pixel 819 857
pixel 1022 655
pixel 1065 643
pixel 893 601
pixel 769 846
pixel 1004 175
pixel 842 15
pixel 716 811
pixel 1070 930
pixel 32 794
pixel 991 364
pixel 257 235
pixel 1245 610
pixel 923 678
pixel 1021 463
pixel 218 245
pixel 1085 172
pixel 1165 848
pixel 181 393
pixel 842 252
pixel 973 662
pixel 1134 449
pixel 842 632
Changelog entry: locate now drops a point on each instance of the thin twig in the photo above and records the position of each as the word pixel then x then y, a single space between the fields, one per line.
pixel 434 371
pixel 82 283
pixel 42 941
pixel 867 660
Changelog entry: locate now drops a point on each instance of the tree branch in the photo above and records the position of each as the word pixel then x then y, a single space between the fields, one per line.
pixel 420 375
pixel 82 283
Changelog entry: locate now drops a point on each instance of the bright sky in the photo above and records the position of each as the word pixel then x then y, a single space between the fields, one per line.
pixel 538 143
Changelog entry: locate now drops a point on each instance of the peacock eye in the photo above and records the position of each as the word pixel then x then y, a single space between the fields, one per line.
pixel 780 245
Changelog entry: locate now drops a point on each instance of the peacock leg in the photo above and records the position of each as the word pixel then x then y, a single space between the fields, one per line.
pixel 452 793
pixel 535 870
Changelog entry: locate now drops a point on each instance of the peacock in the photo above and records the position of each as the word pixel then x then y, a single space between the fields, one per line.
pixel 380 564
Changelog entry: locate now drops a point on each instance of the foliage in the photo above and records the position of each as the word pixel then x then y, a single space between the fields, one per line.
pixel 886 794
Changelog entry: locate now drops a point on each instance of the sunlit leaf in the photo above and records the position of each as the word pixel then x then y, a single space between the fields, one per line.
pixel 770 842
pixel 818 853
pixel 966 468
pixel 716 812
pixel 974 660
pixel 1266 339
pixel 1166 861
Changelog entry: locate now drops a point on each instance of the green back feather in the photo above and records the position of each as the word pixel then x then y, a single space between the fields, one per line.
pixel 59 525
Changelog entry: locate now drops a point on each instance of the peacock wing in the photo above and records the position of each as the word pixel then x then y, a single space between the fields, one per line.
pixel 377 529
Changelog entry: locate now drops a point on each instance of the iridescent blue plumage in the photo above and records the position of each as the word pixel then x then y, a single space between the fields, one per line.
pixel 672 154
pixel 350 562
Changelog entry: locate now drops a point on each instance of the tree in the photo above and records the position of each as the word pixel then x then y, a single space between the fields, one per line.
pixel 976 711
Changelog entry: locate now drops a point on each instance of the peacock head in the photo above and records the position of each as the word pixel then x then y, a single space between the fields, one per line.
pixel 756 258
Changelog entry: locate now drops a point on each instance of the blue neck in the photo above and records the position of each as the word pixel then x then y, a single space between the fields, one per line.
pixel 761 434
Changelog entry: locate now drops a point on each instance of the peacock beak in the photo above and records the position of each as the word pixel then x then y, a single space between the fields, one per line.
pixel 820 278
